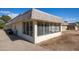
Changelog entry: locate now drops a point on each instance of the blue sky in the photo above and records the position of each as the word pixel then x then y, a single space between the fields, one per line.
pixel 68 14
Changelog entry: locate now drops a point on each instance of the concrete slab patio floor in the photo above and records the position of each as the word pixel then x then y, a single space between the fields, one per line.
pixel 16 44
pixel 69 41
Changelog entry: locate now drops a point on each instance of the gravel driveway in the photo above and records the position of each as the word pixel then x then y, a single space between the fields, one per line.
pixel 8 44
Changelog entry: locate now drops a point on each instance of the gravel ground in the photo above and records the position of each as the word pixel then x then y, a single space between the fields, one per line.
pixel 69 41
pixel 13 43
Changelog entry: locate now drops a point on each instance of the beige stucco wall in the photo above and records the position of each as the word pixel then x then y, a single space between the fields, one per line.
pixel 13 27
pixel 64 28
pixel 76 28
pixel 19 29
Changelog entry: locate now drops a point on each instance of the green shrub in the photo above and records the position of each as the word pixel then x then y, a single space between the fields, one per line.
pixel 2 24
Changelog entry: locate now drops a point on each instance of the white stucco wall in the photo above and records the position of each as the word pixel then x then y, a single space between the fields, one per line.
pixel 63 28
pixel 19 29
pixel 47 37
pixel 27 37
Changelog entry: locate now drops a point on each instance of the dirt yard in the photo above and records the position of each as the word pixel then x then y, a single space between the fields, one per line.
pixel 69 41
pixel 14 43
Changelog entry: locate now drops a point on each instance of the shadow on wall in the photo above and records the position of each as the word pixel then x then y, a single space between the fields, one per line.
pixel 14 37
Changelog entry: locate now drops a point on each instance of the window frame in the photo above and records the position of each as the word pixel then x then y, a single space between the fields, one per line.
pixel 47 28
pixel 28 28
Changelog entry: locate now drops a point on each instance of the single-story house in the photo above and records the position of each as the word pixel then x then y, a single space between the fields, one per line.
pixel 36 26
pixel 72 26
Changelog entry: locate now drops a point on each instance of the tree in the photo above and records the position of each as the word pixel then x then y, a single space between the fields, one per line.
pixel 5 18
pixel 77 24
pixel 2 23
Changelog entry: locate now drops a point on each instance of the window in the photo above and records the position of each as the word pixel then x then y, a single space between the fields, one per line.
pixel 28 28
pixel 44 28
pixel 50 28
pixel 31 28
pixel 53 29
pixel 57 28
pixel 24 28
pixel 40 28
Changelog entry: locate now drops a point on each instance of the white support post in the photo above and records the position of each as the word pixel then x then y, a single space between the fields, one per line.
pixel 61 28
pixel 34 30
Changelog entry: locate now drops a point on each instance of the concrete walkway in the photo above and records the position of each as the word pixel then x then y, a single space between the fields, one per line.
pixel 6 44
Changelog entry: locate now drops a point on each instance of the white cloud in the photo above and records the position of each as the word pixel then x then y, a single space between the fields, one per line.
pixel 11 14
pixel 5 12
pixel 70 19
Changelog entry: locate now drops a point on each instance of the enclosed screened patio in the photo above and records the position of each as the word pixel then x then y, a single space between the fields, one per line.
pixel 41 29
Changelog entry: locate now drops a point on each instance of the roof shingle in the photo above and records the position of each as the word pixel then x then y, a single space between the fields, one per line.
pixel 35 14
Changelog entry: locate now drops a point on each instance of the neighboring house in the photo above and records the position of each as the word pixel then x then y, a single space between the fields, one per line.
pixel 36 26
pixel 72 26
pixel 64 26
